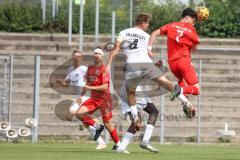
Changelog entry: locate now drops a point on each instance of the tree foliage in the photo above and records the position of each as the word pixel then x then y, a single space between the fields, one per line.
pixel 224 20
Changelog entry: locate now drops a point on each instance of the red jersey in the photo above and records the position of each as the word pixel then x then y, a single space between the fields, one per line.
pixel 97 76
pixel 182 37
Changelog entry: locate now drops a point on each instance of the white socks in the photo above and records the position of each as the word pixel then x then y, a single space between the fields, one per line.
pixel 92 131
pixel 100 140
pixel 182 97
pixel 148 133
pixel 125 141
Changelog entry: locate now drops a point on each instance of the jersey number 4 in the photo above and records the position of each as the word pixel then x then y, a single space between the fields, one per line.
pixel 179 34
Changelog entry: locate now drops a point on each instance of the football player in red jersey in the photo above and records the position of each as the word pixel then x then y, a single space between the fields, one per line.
pixel 182 38
pixel 98 82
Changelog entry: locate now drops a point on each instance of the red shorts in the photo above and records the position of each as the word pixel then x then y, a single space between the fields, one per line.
pixel 105 107
pixel 183 69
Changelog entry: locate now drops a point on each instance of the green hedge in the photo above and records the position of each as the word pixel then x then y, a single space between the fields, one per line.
pixel 224 20
pixel 19 18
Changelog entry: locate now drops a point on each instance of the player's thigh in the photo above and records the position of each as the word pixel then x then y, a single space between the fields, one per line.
pixel 176 69
pixel 88 106
pixel 154 72
pixel 75 106
pixel 189 74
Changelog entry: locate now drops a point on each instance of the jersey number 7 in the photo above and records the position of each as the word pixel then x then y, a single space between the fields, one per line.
pixel 180 34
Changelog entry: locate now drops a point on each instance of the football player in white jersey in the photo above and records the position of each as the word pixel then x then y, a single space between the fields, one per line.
pixel 75 78
pixel 134 43
pixel 143 102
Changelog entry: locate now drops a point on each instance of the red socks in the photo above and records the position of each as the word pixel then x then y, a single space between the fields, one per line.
pixel 190 90
pixel 115 136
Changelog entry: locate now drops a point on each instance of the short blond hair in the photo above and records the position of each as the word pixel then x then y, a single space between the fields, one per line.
pixel 76 51
pixel 143 18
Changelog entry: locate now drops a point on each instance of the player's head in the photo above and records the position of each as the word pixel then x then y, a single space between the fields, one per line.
pixel 77 57
pixel 98 54
pixel 142 20
pixel 189 15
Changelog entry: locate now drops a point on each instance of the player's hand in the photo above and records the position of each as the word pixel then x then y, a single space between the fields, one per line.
pixel 159 63
pixel 59 81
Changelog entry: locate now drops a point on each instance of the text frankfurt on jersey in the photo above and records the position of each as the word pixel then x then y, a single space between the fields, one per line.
pixel 135 36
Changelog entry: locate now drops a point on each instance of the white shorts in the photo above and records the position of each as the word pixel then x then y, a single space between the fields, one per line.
pixel 135 72
pixel 74 106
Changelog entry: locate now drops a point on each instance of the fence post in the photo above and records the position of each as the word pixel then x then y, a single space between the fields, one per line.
pixel 43 3
pixel 106 134
pixel 131 12
pixel 10 89
pixel 53 8
pixel 69 22
pixel 199 104
pixel 81 27
pixel 162 106
pixel 97 22
pixel 36 101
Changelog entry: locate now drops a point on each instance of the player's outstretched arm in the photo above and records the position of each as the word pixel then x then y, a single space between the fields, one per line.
pixel 112 54
pixel 151 42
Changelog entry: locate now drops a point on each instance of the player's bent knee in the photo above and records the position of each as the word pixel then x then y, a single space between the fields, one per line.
pixel 152 112
pixel 197 89
pixel 132 128
pixel 81 112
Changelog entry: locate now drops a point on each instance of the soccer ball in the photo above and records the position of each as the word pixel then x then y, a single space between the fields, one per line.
pixel 202 13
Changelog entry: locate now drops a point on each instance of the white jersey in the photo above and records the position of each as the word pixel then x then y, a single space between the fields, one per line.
pixel 135 43
pixel 76 77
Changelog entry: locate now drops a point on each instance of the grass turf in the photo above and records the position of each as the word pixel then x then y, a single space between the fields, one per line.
pixel 86 151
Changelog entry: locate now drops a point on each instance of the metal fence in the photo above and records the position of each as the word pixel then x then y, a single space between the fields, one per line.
pixel 5 87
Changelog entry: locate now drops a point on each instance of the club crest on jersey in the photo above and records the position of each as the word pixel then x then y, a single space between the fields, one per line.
pixel 93 78
pixel 97 72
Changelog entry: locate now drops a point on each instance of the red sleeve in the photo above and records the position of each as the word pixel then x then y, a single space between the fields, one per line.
pixel 163 30
pixel 194 37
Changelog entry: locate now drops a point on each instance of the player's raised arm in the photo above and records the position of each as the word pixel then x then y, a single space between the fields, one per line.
pixel 152 40
pixel 114 52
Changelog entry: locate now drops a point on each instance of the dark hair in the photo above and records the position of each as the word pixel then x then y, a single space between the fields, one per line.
pixel 189 12
pixel 143 18
pixel 98 47
pixel 76 51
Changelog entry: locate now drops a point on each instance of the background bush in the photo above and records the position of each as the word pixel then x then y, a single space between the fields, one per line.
pixel 224 20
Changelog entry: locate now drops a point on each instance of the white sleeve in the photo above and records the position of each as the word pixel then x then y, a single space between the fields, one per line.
pixel 85 70
pixel 120 37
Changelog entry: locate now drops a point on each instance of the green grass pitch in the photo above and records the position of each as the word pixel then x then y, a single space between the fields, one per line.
pixel 86 151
